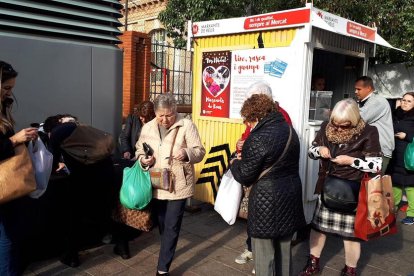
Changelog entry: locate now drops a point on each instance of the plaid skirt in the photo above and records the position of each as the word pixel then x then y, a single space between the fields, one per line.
pixel 328 221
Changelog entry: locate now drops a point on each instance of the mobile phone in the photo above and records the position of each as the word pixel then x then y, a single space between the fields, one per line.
pixel 147 149
pixel 35 125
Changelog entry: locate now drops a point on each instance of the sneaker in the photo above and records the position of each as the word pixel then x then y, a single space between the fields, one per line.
pixel 408 221
pixel 244 257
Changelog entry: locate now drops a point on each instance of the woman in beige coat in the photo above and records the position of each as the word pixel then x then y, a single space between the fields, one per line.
pixel 170 131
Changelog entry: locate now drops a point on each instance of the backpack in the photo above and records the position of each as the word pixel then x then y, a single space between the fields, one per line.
pixel 88 145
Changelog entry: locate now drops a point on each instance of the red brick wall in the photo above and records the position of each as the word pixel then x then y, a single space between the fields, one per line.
pixel 136 75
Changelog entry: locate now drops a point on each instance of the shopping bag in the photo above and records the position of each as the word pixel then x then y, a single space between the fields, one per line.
pixel 409 156
pixel 228 198
pixel 17 176
pixel 375 217
pixel 136 189
pixel 42 163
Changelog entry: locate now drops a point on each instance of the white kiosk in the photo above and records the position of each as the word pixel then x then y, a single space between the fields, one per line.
pixel 284 49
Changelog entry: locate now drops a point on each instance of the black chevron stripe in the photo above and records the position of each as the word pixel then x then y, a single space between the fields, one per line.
pixel 224 147
pixel 216 159
pixel 208 179
pixel 215 169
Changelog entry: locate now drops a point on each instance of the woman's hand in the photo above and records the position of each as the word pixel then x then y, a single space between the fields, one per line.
pixel 343 160
pixel 239 144
pixel 181 155
pixel 24 135
pixel 147 162
pixel 127 155
pixel 324 152
pixel 400 135
pixel 61 166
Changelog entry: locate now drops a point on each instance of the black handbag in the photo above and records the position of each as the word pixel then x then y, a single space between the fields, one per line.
pixel 340 195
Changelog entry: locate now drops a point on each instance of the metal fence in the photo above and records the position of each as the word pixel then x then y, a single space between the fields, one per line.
pixel 171 73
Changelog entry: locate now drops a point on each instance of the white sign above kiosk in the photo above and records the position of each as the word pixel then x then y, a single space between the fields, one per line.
pixel 288 19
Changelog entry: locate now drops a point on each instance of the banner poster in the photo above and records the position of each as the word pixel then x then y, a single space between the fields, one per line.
pixel 215 87
pixel 277 67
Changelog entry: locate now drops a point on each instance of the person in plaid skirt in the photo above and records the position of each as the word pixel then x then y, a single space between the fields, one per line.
pixel 346 147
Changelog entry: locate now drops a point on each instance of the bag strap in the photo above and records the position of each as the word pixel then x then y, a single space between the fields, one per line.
pixel 172 146
pixel 280 157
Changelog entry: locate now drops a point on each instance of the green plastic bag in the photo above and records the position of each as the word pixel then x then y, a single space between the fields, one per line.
pixel 409 157
pixel 136 189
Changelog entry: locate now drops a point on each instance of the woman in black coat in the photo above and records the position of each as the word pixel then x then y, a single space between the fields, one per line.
pixel 403 119
pixel 275 209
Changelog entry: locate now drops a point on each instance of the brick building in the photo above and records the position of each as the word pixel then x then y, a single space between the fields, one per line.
pixel 152 65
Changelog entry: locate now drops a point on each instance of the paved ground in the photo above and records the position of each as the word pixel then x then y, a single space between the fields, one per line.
pixel 208 246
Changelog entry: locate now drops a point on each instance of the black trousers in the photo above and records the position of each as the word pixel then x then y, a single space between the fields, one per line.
pixel 169 214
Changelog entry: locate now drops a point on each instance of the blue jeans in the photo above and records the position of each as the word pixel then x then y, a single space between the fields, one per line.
pixel 8 266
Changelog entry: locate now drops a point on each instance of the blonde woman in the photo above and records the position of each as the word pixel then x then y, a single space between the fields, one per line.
pixel 346 147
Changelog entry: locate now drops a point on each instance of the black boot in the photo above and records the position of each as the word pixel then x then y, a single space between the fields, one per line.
pixel 70 259
pixel 122 249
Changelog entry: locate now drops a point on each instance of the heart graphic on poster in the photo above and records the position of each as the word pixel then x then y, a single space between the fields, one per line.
pixel 216 80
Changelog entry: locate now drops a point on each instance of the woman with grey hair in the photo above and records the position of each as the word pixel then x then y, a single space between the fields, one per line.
pixel 346 147
pixel 176 145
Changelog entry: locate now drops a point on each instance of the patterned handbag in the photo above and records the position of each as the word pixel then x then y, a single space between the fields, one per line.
pixel 138 219
pixel 244 204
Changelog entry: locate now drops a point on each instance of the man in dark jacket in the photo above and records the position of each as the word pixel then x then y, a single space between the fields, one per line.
pixel 88 198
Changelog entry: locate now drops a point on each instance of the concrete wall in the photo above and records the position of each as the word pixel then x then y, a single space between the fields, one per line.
pixel 65 77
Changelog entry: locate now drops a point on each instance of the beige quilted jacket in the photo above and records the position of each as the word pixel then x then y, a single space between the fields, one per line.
pixel 188 139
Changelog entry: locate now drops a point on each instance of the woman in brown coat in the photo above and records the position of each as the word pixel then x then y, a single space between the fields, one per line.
pixel 167 131
pixel 346 147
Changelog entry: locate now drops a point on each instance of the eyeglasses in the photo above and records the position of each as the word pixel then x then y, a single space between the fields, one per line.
pixel 346 125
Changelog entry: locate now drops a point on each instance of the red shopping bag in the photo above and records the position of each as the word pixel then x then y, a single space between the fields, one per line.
pixel 375 217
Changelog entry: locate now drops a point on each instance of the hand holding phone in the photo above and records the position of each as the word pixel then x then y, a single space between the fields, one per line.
pixel 148 150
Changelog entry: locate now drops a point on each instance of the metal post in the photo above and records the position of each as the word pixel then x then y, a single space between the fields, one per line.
pixel 126 15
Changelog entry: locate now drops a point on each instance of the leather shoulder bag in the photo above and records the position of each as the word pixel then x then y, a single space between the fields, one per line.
pixel 340 195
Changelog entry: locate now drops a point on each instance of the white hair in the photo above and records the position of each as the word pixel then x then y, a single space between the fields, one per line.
pixel 259 87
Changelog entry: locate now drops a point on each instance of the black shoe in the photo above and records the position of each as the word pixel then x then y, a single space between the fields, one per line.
pixel 164 274
pixel 122 249
pixel 71 260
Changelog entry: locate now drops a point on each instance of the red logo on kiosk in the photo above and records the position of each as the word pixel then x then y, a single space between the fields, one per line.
pixel 195 29
pixel 277 19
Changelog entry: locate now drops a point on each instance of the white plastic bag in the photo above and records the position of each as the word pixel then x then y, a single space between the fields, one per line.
pixel 228 198
pixel 42 163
